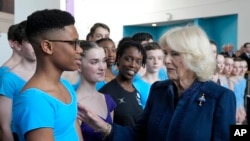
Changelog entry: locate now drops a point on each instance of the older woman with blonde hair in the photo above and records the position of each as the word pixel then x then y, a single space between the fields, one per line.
pixel 188 106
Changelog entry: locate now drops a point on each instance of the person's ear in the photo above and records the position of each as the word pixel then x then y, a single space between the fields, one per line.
pixel 47 47
pixel 16 46
pixel 11 43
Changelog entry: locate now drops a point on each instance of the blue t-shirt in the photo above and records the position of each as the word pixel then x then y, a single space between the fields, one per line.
pixel 3 69
pixel 239 91
pixel 163 74
pixel 35 109
pixel 77 84
pixel 100 84
pixel 143 87
pixel 10 84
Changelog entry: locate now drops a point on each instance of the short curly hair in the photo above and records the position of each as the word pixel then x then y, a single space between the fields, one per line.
pixel 131 44
pixel 43 21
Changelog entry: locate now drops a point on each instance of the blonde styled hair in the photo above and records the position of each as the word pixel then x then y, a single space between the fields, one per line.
pixel 193 43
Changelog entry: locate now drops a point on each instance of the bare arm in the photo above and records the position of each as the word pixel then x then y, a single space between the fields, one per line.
pixel 5 119
pixel 40 134
pixel 79 132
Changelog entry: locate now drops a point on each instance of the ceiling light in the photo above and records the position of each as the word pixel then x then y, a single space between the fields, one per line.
pixel 154 24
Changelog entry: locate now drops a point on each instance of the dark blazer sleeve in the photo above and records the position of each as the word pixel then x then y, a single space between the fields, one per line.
pixel 224 116
pixel 139 131
pixel 225 111
pixel 121 133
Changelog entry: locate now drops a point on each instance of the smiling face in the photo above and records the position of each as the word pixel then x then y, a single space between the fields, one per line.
pixel 94 65
pixel 243 66
pixel 220 63
pixel 129 62
pixel 154 60
pixel 110 51
pixel 228 66
pixel 236 68
pixel 174 62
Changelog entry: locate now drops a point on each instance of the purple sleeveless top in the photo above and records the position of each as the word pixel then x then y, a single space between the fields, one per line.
pixel 88 133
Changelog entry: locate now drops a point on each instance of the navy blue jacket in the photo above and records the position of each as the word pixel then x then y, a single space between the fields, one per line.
pixel 204 112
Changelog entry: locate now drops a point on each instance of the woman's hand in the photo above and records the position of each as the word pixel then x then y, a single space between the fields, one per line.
pixel 240 115
pixel 93 120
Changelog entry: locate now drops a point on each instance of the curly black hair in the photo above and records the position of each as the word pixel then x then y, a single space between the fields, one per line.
pixel 46 20
pixel 131 44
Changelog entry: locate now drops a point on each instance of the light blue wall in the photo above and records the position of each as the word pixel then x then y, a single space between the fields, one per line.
pixel 156 32
pixel 223 29
pixel 131 30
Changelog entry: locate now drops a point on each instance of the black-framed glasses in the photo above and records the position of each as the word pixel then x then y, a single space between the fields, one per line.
pixel 72 42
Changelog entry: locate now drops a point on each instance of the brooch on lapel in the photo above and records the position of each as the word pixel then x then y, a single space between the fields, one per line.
pixel 202 99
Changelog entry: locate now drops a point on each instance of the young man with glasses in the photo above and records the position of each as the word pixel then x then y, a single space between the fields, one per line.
pixel 97 31
pixel 47 108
